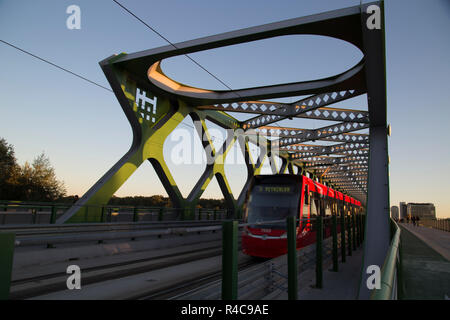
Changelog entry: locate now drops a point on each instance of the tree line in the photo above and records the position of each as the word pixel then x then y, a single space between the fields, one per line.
pixel 37 181
pixel 152 201
pixel 161 201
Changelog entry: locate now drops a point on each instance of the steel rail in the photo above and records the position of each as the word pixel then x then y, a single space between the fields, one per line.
pixel 55 282
pixel 23 240
pixel 181 289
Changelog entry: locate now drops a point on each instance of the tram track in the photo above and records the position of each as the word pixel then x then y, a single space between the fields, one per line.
pixel 30 287
pixel 173 292
pixel 27 236
pixel 103 267
pixel 51 229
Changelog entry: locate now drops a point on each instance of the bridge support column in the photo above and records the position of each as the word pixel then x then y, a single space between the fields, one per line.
pixel 229 260
pixel 349 233
pixel 319 262
pixel 7 241
pixel 292 259
pixel 335 242
pixel 353 218
pixel 377 231
pixel 342 213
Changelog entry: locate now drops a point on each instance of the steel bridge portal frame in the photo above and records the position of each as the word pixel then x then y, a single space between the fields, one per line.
pixel 155 105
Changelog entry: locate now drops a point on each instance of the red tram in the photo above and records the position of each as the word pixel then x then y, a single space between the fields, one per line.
pixel 275 197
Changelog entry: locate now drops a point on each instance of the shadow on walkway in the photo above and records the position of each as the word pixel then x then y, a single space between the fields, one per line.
pixel 342 285
pixel 426 273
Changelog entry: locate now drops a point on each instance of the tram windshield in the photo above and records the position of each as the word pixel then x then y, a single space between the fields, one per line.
pixel 271 203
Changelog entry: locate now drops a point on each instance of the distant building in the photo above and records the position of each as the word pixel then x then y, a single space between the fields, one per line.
pixel 394 213
pixel 421 210
pixel 403 209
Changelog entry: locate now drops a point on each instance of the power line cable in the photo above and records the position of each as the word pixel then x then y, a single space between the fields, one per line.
pixel 55 65
pixel 173 45
pixel 71 72
pixel 99 85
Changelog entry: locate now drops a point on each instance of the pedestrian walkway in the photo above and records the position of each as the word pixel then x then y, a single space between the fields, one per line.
pixel 342 285
pixel 438 240
pixel 426 270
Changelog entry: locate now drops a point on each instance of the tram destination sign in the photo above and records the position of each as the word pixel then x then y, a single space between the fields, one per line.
pixel 275 189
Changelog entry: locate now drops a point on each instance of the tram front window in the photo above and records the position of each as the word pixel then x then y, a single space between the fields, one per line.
pixel 271 203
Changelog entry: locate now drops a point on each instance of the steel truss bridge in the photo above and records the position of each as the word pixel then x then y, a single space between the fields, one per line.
pixel 341 155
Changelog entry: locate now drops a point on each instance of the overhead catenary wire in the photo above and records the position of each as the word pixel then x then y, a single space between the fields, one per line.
pixel 55 65
pixel 103 87
pixel 168 41
pixel 173 45
pixel 70 72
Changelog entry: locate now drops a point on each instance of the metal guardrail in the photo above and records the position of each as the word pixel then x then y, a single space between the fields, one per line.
pixel 6 263
pixel 439 224
pixel 230 230
pixel 60 234
pixel 57 234
pixel 19 212
pixel 351 228
pixel 391 281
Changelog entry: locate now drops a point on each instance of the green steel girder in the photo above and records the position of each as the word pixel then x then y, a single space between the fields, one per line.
pixel 154 105
pixel 214 169
pixel 152 119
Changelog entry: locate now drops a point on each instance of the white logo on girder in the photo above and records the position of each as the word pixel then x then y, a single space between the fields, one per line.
pixel 74 280
pixel 147 106
pixel 74 20
pixel 374 20
pixel 374 280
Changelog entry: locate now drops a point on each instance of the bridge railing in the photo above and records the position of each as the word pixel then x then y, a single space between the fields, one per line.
pixel 439 224
pixel 19 212
pixel 327 246
pixel 391 272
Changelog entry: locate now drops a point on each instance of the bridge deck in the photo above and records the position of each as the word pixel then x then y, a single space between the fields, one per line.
pixel 341 285
pixel 426 266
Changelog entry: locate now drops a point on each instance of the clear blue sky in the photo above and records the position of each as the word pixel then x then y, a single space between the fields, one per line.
pixel 82 128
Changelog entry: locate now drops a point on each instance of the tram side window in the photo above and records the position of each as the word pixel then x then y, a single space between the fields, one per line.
pixel 314 211
pixel 306 196
pixel 313 206
pixel 328 210
pixel 327 222
pixel 305 209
